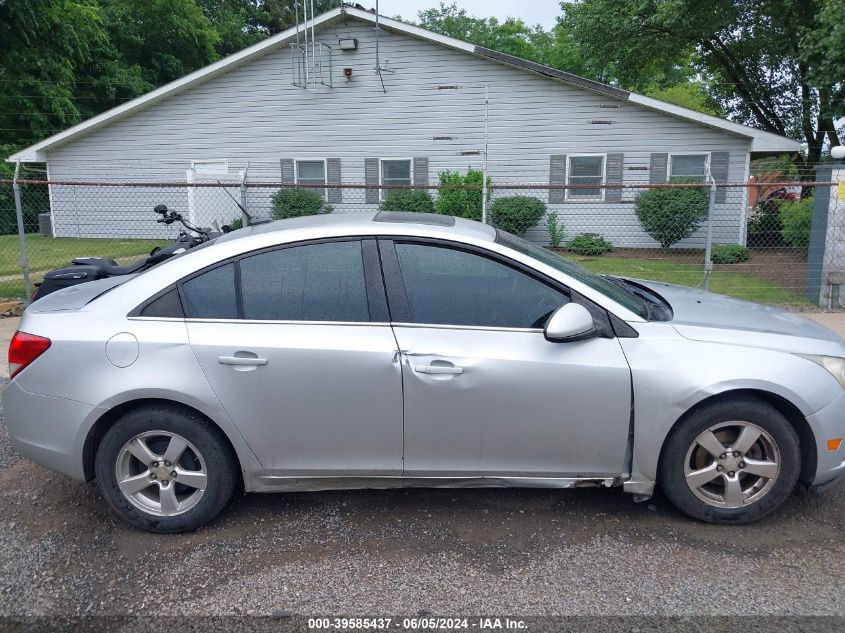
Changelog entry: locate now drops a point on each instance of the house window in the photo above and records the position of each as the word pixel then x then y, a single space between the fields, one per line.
pixel 395 172
pixel 311 173
pixel 585 170
pixel 689 167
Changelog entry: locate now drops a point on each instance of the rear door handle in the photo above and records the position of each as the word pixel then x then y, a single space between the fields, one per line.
pixel 242 361
pixel 441 370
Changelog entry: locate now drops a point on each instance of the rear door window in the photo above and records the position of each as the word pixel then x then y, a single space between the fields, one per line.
pixel 211 295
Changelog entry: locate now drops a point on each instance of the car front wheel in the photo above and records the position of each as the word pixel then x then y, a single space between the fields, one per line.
pixel 165 469
pixel 732 461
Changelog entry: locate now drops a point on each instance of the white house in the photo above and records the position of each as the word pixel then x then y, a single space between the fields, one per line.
pixel 393 105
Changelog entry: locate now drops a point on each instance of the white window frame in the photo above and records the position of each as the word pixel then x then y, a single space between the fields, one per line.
pixel 224 162
pixel 672 155
pixel 384 192
pixel 600 198
pixel 297 161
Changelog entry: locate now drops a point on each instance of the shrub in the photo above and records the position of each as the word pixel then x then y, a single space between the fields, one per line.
pixel 590 245
pixel 408 200
pixel 765 228
pixel 797 219
pixel 671 215
pixel 516 214
pixel 463 203
pixel 293 203
pixel 555 229
pixel 729 254
pixel 237 223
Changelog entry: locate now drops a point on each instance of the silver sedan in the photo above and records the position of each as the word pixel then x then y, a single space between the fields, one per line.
pixel 389 350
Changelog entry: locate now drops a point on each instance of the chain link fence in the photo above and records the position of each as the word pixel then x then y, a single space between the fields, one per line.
pixel 750 240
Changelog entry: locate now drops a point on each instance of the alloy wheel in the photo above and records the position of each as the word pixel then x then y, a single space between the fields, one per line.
pixel 732 464
pixel 161 473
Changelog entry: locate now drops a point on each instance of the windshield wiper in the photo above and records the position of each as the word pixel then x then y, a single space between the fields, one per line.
pixel 632 290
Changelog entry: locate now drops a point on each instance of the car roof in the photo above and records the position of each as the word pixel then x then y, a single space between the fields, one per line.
pixel 378 223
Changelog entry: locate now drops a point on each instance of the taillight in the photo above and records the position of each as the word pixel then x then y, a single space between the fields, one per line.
pixel 24 349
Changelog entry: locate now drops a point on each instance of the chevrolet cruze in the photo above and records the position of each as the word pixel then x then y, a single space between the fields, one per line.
pixel 389 350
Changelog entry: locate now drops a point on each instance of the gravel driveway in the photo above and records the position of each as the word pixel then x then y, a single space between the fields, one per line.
pixel 526 552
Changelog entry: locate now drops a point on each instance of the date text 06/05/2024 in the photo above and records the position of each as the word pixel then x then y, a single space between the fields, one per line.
pixel 427 623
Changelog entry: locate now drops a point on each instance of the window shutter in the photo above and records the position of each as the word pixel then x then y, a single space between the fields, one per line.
pixel 719 162
pixel 333 178
pixel 288 176
pixel 371 179
pixel 421 172
pixel 658 164
pixel 557 176
pixel 614 177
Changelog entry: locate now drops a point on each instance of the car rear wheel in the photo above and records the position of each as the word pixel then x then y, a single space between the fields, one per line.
pixel 165 469
pixel 730 462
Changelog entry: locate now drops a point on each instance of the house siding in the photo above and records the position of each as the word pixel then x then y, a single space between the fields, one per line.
pixel 253 114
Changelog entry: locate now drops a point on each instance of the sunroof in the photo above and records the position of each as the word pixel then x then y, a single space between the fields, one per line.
pixel 404 217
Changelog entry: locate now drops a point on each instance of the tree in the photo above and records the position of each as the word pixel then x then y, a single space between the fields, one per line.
pixel 241 23
pixel 554 48
pixel 690 95
pixel 750 53
pixel 42 44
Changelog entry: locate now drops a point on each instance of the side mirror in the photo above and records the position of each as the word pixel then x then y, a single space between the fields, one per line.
pixel 569 323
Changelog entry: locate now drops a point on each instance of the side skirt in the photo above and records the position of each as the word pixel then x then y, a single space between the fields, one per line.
pixel 268 483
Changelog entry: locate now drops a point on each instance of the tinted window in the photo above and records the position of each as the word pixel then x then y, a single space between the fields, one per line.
pixel 317 282
pixel 211 295
pixel 594 281
pixel 452 287
pixel 167 305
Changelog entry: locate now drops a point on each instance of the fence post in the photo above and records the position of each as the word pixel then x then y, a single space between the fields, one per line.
pixel 815 283
pixel 486 147
pixel 244 218
pixel 24 259
pixel 708 248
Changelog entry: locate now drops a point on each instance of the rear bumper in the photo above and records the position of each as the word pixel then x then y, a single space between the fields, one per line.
pixel 829 423
pixel 50 431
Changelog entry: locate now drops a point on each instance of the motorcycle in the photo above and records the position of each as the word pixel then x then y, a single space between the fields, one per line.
pixel 84 269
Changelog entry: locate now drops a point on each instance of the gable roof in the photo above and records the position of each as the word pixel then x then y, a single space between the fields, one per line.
pixel 760 141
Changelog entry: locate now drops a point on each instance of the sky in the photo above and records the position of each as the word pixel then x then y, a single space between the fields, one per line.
pixel 532 12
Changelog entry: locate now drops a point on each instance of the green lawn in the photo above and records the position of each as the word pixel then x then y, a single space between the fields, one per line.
pixel 727 282
pixel 46 253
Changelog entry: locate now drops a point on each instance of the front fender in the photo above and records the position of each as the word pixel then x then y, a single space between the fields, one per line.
pixel 671 375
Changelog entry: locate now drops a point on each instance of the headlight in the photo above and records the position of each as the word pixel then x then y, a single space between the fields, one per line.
pixel 833 364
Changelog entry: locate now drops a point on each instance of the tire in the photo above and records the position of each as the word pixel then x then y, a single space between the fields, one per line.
pixel 158 495
pixel 740 491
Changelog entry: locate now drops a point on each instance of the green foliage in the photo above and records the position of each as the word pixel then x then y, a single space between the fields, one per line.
pixel 516 214
pixel 555 229
pixel 692 95
pixel 729 254
pixel 589 245
pixel 774 64
pixel 797 219
pixel 765 227
pixel 462 203
pixel 670 215
pixel 410 200
pixel 241 23
pixel 293 203
pixel 237 223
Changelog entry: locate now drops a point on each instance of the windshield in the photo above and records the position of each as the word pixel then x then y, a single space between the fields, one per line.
pixel 614 291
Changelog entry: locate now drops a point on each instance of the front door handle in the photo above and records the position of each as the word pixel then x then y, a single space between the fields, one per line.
pixel 242 361
pixel 438 370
